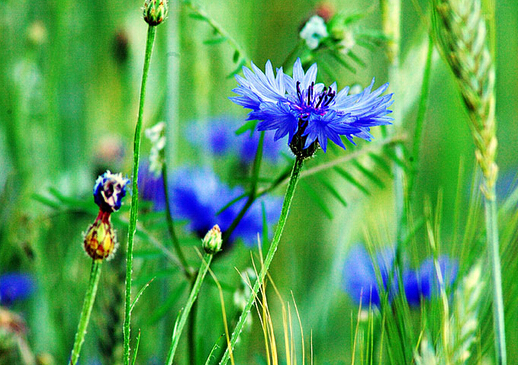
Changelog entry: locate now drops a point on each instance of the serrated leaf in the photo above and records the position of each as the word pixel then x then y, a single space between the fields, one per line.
pixel 332 190
pixel 317 199
pixel 350 178
pixel 214 41
pixel 369 174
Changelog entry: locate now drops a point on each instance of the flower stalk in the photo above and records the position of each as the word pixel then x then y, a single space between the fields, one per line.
pixel 180 323
pixel 95 274
pixel 134 199
pixel 290 192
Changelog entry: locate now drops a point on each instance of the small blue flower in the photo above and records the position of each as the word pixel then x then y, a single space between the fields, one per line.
pixel 109 189
pixel 362 284
pixel 151 187
pixel 307 112
pixel 219 138
pixel 197 195
pixel 361 276
pixel 15 286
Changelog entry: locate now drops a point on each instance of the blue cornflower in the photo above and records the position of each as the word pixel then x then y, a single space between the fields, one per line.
pixel 109 189
pixel 197 195
pixel 15 286
pixel 307 112
pixel 362 277
pixel 219 138
pixel 151 187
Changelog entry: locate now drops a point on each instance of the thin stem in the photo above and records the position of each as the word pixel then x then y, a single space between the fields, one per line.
pixel 191 334
pixel 180 324
pixel 252 194
pixel 496 274
pixel 170 225
pixel 95 274
pixel 295 173
pixel 134 198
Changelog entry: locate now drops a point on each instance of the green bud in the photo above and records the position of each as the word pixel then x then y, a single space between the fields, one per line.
pixel 155 11
pixel 212 240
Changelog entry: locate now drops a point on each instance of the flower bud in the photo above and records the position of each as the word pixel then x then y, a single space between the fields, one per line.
pixel 155 11
pixel 212 241
pixel 109 190
pixel 100 242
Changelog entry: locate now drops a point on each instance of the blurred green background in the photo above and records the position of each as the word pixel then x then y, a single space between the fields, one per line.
pixel 69 79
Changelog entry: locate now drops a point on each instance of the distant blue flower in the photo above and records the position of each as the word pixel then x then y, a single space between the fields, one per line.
pixel 151 187
pixel 309 113
pixel 219 138
pixel 109 189
pixel 15 286
pixel 197 195
pixel 362 284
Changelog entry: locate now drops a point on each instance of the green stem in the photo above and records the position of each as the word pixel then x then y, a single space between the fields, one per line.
pixel 170 226
pixel 95 274
pixel 191 334
pixel 180 324
pixel 496 273
pixel 134 198
pixel 295 173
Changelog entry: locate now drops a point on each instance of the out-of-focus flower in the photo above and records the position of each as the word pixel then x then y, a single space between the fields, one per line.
pixel 14 287
pixel 151 187
pixel 307 112
pixel 363 277
pixel 219 138
pixel 313 31
pixel 197 195
pixel 156 135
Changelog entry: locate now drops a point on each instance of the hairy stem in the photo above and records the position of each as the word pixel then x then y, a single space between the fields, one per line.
pixel 295 173
pixel 134 198
pixel 180 323
pixel 95 274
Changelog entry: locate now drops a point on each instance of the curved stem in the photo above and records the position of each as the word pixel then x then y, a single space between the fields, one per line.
pixel 134 198
pixel 295 173
pixel 496 274
pixel 180 323
pixel 95 274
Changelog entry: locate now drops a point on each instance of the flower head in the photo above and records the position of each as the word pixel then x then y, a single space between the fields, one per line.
pixel 14 287
pixel 363 276
pixel 307 112
pixel 155 11
pixel 109 189
pixel 198 195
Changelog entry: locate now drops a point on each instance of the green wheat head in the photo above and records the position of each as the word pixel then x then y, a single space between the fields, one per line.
pixel 461 33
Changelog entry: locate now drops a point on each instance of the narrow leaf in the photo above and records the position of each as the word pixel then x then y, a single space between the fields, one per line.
pixel 214 41
pixel 350 178
pixel 332 190
pixel 317 198
pixel 369 174
pixel 139 294
pixel 135 352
